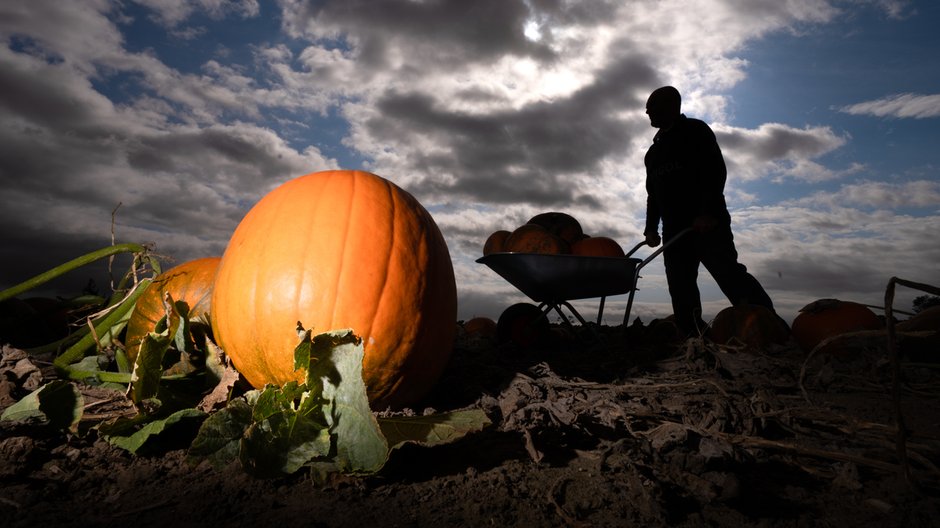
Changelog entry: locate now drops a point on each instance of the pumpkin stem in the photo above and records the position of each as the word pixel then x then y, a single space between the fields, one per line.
pixel 76 263
pixel 116 315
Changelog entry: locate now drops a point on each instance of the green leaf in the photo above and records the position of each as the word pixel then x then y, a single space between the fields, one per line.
pixel 58 403
pixel 138 439
pixel 434 429
pixel 220 435
pixel 360 445
pixel 282 437
pixel 148 367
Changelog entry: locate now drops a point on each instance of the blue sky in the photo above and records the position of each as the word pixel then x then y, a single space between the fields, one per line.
pixel 185 112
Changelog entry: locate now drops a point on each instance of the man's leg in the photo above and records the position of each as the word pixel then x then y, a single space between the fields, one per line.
pixel 719 256
pixel 681 265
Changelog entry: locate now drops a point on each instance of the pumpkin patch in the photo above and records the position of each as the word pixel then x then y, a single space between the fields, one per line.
pixel 334 250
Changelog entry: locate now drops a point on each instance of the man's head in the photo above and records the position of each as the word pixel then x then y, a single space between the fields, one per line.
pixel 663 107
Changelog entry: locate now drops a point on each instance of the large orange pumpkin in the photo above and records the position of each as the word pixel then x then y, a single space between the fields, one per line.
pixel 533 238
pixel 190 282
pixel 334 250
pixel 826 318
pixel 756 327
pixel 599 246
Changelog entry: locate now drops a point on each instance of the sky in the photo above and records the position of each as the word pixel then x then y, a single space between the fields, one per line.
pixel 164 121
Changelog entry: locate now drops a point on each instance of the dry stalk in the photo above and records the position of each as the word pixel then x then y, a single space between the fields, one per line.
pixel 902 432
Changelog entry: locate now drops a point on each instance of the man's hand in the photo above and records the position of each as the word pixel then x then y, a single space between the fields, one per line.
pixel 704 223
pixel 652 239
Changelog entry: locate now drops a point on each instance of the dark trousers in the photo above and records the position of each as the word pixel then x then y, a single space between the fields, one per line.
pixel 715 250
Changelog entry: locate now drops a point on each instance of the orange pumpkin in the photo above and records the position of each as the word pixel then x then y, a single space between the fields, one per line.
pixel 480 327
pixel 190 282
pixel 756 327
pixel 826 318
pixel 922 348
pixel 496 242
pixel 533 238
pixel 334 250
pixel 523 324
pixel 559 224
pixel 599 246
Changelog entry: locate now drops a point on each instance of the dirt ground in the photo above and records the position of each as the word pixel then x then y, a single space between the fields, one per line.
pixel 592 429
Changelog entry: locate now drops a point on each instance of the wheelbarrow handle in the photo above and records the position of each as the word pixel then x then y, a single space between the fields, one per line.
pixel 636 273
pixel 661 248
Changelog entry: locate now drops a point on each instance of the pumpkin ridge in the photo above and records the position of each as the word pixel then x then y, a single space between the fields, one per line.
pixel 341 269
pixel 387 261
pixel 263 283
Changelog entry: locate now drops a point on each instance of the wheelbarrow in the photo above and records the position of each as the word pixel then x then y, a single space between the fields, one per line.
pixel 554 280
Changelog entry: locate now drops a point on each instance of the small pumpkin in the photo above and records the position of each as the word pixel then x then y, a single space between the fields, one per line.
pixel 496 242
pixel 825 318
pixel 334 250
pixel 756 327
pixel 190 282
pixel 533 238
pixel 597 246
pixel 480 327
pixel 559 224
pixel 926 348
pixel 523 324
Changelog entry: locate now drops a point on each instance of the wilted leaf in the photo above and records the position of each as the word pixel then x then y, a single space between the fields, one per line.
pixel 148 367
pixel 220 435
pixel 282 437
pixel 58 403
pixel 360 445
pixel 153 429
pixel 434 429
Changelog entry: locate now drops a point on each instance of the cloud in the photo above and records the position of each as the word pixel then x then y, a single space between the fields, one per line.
pixel 489 112
pixel 905 105
pixel 777 150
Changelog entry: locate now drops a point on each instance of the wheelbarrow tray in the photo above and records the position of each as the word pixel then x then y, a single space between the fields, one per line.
pixel 557 278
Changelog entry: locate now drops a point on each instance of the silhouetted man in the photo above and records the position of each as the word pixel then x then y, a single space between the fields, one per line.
pixel 685 181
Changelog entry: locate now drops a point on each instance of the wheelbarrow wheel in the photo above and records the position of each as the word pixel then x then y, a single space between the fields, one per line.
pixel 523 324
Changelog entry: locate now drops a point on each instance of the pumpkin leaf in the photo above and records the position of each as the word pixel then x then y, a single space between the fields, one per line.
pixel 148 367
pixel 283 435
pixel 432 430
pixel 136 440
pixel 219 438
pixel 58 403
pixel 360 445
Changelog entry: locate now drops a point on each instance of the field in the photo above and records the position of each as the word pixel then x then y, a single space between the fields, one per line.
pixel 595 428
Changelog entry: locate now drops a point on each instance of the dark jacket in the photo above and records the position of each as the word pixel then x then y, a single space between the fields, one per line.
pixel 685 177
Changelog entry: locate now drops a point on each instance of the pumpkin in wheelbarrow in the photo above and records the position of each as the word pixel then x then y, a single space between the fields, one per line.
pixel 496 242
pixel 339 250
pixel 533 238
pixel 597 246
pixel 559 224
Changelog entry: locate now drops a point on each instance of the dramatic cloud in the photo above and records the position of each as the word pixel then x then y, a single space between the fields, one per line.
pixel 488 112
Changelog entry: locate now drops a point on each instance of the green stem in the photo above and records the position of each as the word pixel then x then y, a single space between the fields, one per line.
pixel 77 351
pixel 105 376
pixel 69 266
